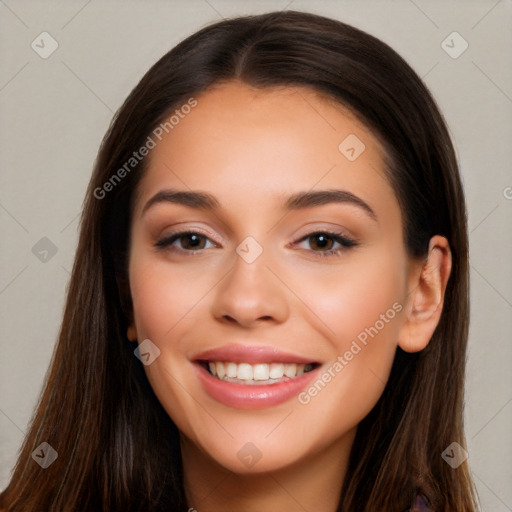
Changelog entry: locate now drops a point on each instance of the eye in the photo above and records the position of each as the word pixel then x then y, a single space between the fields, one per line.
pixel 185 241
pixel 325 243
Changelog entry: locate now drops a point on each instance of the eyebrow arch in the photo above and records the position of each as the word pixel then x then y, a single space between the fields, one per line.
pixel 320 197
pixel 298 201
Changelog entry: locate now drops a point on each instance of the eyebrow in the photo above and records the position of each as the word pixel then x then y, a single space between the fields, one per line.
pixel 199 200
pixel 297 201
pixel 320 197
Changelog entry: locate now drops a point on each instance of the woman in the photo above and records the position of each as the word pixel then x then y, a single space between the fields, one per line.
pixel 269 302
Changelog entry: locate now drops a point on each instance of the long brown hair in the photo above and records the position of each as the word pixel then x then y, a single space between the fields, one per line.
pixel 117 448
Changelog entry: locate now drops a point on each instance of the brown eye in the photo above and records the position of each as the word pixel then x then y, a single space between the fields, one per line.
pixel 192 241
pixel 185 241
pixel 321 241
pixel 324 243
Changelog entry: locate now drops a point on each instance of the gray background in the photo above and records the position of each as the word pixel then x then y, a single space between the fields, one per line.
pixel 55 111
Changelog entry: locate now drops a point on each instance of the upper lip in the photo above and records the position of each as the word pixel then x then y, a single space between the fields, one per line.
pixel 251 354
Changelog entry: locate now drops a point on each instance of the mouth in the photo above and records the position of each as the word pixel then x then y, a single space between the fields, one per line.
pixel 256 374
pixel 253 377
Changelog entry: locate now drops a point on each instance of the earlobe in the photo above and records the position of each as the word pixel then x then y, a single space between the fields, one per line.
pixel 427 297
pixel 131 333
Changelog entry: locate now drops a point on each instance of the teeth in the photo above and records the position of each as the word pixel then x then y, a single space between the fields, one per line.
pixel 260 372
pixel 276 370
pixel 231 370
pixel 257 373
pixel 244 371
pixel 220 370
pixel 290 370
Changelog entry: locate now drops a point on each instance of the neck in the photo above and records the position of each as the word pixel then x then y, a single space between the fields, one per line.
pixel 311 483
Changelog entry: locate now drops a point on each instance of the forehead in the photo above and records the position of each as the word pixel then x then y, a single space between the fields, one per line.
pixel 245 144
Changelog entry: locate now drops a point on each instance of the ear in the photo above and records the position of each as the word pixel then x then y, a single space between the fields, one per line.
pixel 426 300
pixel 131 332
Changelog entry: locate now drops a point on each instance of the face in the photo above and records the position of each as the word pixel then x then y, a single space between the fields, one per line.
pixel 267 249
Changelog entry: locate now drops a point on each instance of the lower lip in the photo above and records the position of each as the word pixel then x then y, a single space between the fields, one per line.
pixel 243 396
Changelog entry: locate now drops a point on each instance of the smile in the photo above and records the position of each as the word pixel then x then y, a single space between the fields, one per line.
pixel 253 377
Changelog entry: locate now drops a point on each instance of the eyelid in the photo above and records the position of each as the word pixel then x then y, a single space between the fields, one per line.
pixel 338 237
pixel 179 230
pixel 334 231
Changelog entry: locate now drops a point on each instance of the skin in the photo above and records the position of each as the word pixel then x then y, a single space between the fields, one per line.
pixel 251 149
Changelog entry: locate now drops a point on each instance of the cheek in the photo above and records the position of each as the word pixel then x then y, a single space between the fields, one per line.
pixel 352 298
pixel 359 310
pixel 166 305
pixel 163 295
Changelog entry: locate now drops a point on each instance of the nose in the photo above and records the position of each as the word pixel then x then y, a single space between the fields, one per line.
pixel 250 295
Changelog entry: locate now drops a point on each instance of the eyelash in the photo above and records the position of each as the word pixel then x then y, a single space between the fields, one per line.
pixel 344 241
